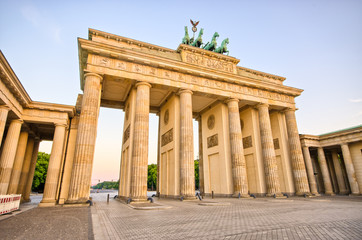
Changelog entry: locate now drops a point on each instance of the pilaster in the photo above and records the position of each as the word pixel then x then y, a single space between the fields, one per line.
pixel 26 193
pixel 18 163
pixel 8 154
pixel 4 110
pixel 325 173
pixel 140 143
pixel 240 180
pixel 350 169
pixel 26 166
pixel 186 146
pixel 270 163
pixel 298 167
pixel 86 139
pixel 51 182
pixel 310 171
pixel 339 174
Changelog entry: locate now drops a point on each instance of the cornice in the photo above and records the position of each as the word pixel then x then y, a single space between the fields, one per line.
pixel 260 73
pixel 94 32
pixel 70 110
pixel 14 85
pixel 102 49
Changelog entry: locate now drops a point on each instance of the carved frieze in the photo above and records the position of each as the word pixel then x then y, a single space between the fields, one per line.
pixel 212 141
pixel 167 137
pixel 126 134
pixel 206 61
pixel 191 79
pixel 247 142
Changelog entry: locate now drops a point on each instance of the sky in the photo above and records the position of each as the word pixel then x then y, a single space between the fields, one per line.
pixel 315 44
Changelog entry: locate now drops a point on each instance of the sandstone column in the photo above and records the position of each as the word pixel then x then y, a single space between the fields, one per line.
pixel 325 173
pixel 8 154
pixel 51 182
pixel 29 181
pixel 339 174
pixel 350 169
pixel 201 160
pixel 310 171
pixel 187 173
pixel 238 163
pixel 267 145
pixel 298 167
pixel 18 163
pixel 26 166
pixel 86 140
pixel 140 143
pixel 3 117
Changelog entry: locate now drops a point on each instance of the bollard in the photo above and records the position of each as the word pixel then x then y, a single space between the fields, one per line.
pixel 108 198
pixel 212 194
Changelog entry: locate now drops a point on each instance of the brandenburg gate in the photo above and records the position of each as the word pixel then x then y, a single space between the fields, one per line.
pixel 248 136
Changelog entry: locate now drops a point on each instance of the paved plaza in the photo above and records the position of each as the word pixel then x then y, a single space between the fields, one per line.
pixel 338 217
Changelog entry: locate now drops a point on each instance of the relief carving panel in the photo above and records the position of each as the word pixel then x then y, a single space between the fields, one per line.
pixel 167 137
pixel 212 141
pixel 247 142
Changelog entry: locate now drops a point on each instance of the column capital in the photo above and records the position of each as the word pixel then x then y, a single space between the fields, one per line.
pixel 87 74
pixel 261 105
pixel 231 100
pixel 184 91
pixel 344 144
pixel 143 83
pixel 4 107
pixel 60 125
pixel 18 121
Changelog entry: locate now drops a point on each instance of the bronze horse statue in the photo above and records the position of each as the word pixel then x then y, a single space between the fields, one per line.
pixel 186 39
pixel 211 46
pixel 198 41
pixel 223 48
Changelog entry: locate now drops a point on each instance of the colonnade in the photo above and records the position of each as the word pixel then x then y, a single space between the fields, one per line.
pixel 331 170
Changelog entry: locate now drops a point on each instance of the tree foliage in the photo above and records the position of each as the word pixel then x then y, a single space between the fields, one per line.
pixel 197 180
pixel 152 177
pixel 107 185
pixel 40 173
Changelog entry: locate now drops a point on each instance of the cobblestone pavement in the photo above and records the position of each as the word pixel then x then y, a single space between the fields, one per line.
pixel 48 223
pixel 338 217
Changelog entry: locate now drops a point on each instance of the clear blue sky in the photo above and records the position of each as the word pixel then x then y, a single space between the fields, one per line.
pixel 316 45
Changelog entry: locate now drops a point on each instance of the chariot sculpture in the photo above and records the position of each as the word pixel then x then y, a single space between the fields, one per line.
pixel 210 46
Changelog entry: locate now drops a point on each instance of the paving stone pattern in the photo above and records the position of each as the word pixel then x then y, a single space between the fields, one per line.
pixel 263 218
pixel 48 223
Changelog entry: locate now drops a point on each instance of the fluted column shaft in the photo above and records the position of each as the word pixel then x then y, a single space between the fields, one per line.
pixel 351 174
pixel 339 174
pixel 267 145
pixel 51 182
pixel 298 167
pixel 18 163
pixel 86 140
pixel 325 173
pixel 8 154
pixel 29 181
pixel 3 117
pixel 26 166
pixel 140 143
pixel 187 173
pixel 240 179
pixel 310 171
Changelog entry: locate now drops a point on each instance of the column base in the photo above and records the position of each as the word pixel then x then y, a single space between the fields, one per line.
pixel 276 195
pixel 236 195
pixel 189 198
pixel 47 203
pixel 139 199
pixel 301 194
pixel 344 193
pixel 354 194
pixel 329 194
pixel 77 201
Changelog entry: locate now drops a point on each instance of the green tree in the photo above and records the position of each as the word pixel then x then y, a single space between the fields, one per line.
pixel 152 177
pixel 197 180
pixel 40 173
pixel 107 185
